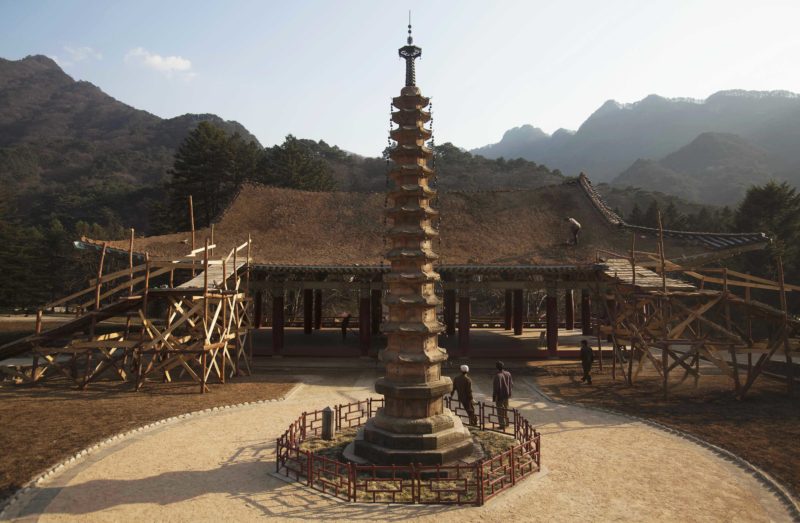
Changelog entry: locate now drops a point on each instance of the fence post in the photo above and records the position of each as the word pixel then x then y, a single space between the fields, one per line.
pixel 351 487
pixel 513 469
pixel 328 424
pixel 277 455
pixel 481 413
pixel 538 451
pixel 308 469
pixel 479 474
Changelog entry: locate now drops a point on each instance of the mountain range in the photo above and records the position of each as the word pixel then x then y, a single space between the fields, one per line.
pixel 67 149
pixel 70 151
pixel 685 147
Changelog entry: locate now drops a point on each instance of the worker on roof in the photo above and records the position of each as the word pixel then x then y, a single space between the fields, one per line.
pixel 575 228
pixel 462 384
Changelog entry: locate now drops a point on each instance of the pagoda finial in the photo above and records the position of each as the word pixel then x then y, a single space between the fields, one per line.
pixel 410 53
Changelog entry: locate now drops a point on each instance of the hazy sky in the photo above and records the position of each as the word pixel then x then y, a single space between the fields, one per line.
pixel 327 70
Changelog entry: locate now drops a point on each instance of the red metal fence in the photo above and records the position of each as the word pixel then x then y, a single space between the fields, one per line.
pixel 473 483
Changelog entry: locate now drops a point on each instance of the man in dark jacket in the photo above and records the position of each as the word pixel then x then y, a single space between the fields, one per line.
pixel 462 384
pixel 501 392
pixel 587 358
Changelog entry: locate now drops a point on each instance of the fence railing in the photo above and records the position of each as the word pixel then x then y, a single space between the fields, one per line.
pixel 469 483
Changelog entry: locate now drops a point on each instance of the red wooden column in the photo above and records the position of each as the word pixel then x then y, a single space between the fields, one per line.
pixel 449 311
pixel 463 324
pixel 552 324
pixel 277 323
pixel 518 307
pixel 569 310
pixel 317 309
pixel 258 306
pixel 377 310
pixel 308 308
pixel 364 323
pixel 612 308
pixel 586 313
pixel 509 307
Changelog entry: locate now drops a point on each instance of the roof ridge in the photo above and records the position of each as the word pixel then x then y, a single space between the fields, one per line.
pixel 614 219
pixel 610 216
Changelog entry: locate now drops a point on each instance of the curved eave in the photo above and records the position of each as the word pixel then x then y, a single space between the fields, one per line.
pixel 412 131
pixel 404 116
pixel 410 102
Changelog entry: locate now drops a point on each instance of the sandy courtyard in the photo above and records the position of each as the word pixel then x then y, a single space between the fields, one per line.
pixel 215 467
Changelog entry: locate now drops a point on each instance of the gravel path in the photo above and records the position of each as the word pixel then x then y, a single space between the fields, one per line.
pixel 596 466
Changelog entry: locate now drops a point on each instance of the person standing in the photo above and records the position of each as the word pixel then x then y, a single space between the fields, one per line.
pixel 345 325
pixel 501 392
pixel 587 358
pixel 462 384
pixel 575 228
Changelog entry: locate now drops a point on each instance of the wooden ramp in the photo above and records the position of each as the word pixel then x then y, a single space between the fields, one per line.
pixel 157 322
pixel 79 324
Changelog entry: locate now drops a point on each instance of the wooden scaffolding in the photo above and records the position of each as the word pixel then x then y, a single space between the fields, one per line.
pixel 697 315
pixel 139 324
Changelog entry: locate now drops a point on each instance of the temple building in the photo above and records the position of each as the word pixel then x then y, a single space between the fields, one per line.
pixel 440 253
pixel 514 242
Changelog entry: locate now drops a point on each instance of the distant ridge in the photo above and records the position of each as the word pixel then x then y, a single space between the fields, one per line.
pixel 715 168
pixel 616 135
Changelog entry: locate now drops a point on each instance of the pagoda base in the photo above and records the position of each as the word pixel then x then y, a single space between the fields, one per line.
pixel 449 441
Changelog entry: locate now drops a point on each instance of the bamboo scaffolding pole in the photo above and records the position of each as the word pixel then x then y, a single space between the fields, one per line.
pixel 191 224
pixel 130 262
pixel 99 284
pixel 786 345
pixel 205 288
pixel 212 240
pixel 633 259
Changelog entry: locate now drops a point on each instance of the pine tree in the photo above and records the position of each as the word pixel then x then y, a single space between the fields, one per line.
pixel 774 209
pixel 673 219
pixel 650 218
pixel 635 217
pixel 293 164
pixel 202 169
pixel 244 159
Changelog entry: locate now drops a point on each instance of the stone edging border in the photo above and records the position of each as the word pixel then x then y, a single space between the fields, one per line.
pixel 783 494
pixel 10 501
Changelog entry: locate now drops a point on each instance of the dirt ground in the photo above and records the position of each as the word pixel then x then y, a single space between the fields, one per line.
pixel 764 428
pixel 219 467
pixel 45 424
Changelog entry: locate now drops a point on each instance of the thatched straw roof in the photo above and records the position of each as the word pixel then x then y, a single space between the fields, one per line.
pixel 511 227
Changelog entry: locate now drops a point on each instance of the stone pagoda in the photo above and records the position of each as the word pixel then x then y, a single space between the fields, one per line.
pixel 413 426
